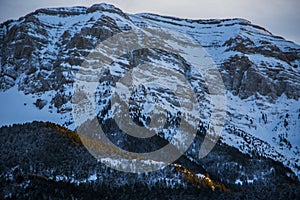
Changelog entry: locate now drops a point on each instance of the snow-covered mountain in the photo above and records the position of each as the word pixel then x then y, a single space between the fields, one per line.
pixel 42 53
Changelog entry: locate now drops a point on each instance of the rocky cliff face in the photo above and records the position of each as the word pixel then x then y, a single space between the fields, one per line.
pixel 42 52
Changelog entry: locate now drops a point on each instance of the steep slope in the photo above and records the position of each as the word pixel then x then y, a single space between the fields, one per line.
pixel 42 52
pixel 261 74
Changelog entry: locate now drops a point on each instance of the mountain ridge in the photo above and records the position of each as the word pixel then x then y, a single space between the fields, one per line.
pixel 42 52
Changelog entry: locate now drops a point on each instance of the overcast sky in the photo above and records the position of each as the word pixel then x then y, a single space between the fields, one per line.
pixel 281 17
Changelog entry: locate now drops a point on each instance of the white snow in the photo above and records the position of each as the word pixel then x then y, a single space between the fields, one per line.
pixel 238 182
pixel 16 107
pixel 93 177
pixel 261 120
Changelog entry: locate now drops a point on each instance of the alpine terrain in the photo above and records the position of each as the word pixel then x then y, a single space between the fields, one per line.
pixel 50 57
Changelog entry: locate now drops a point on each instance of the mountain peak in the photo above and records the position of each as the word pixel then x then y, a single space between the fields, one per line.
pixel 104 6
pixel 41 54
pixel 78 10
